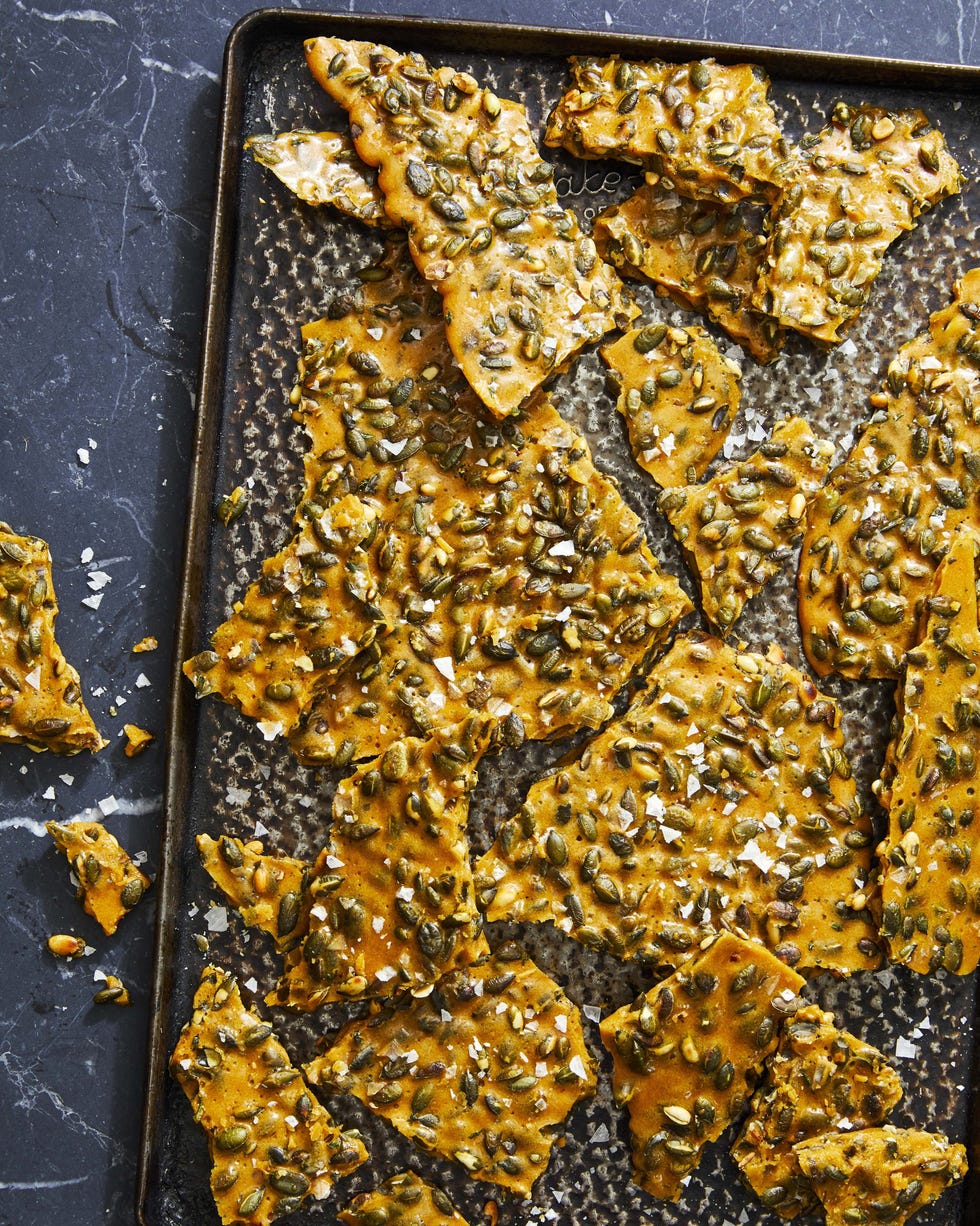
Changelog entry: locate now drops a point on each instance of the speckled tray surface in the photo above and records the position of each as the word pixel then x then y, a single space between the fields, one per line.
pixel 276 263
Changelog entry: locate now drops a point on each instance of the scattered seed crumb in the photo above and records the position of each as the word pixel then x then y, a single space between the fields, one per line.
pixel 147 644
pixel 137 739
pixel 64 945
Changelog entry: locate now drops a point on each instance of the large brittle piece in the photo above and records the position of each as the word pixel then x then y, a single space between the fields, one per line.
pixel 865 180
pixel 879 1174
pixel 109 883
pixel 41 702
pixel 391 902
pixel 679 397
pixel 705 126
pixel 706 256
pixel 402 1200
pixel 523 289
pixel 737 529
pixel 514 579
pixel 821 1079
pixel 881 525
pixel 930 858
pixel 323 168
pixel 272 1145
pixel 722 799
pixel 685 1055
pixel 269 892
pixel 483 1070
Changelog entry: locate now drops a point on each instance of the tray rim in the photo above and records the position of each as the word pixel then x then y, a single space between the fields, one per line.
pixel 442 33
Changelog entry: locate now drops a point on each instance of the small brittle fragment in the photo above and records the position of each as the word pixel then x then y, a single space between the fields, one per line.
pixel 865 180
pixel 112 992
pixel 879 528
pixel 879 1174
pixel 109 883
pixel 392 900
pixel 402 1200
pixel 41 702
pixel 707 127
pixel 272 1145
pixel 523 289
pixel 679 397
pixel 821 1079
pixel 269 892
pixel 930 858
pixel 706 256
pixel 722 799
pixel 323 168
pixel 737 529
pixel 483 1070
pixel 686 1054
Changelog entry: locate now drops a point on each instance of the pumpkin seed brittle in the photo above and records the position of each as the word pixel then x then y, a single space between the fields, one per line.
pixel 392 898
pixel 930 858
pixel 517 578
pixel 706 256
pixel 109 883
pixel 679 397
pixel 483 1070
pixel 737 529
pixel 880 526
pixel 41 702
pixel 268 891
pixel 323 168
pixel 723 798
pixel 402 1200
pixel 819 1080
pixel 523 289
pixel 879 1174
pixel 685 1054
pixel 705 126
pixel 272 1144
pixel 865 180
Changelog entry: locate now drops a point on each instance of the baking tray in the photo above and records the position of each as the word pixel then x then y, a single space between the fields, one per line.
pixel 274 263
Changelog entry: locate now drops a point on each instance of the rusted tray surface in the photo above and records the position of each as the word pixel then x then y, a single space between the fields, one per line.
pixel 274 265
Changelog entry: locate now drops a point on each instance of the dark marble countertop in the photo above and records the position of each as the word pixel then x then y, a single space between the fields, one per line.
pixel 107 138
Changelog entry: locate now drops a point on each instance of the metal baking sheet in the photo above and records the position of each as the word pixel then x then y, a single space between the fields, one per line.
pixel 274 265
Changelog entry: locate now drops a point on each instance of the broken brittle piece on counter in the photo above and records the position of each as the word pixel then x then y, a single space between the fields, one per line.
pixel 323 168
pixel 879 528
pixel 679 397
pixel 865 180
pixel 930 858
pixel 706 256
pixel 686 1054
pixel 402 1200
pixel 820 1080
pixel 737 529
pixel 391 899
pixel 502 573
pixel 269 892
pixel 109 883
pixel 113 992
pixel 272 1145
pixel 882 1174
pixel 705 126
pixel 523 288
pixel 41 702
pixel 723 798
pixel 483 1070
